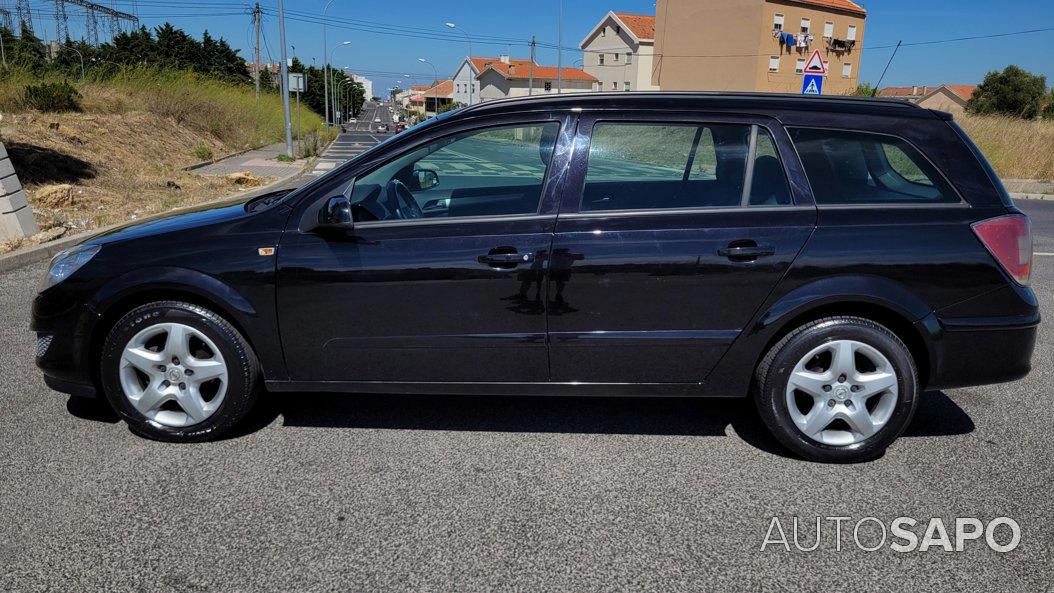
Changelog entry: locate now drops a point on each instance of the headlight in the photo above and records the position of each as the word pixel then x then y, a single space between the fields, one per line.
pixel 67 262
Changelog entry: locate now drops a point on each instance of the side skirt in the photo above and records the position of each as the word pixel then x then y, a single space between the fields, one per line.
pixel 534 389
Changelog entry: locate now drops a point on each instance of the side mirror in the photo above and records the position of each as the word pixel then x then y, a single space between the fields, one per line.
pixel 425 179
pixel 336 213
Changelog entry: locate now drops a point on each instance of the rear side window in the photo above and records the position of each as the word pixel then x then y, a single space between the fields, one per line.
pixel 847 167
pixel 645 166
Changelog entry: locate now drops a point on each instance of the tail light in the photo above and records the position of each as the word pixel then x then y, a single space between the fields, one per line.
pixel 1009 239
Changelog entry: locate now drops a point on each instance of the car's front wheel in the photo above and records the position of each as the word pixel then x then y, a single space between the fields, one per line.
pixel 839 389
pixel 178 372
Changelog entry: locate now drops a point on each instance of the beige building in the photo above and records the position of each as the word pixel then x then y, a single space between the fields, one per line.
pixel 756 45
pixel 620 52
pixel 513 78
pixel 951 98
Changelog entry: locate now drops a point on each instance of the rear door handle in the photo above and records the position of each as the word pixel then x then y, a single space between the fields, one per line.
pixel 746 252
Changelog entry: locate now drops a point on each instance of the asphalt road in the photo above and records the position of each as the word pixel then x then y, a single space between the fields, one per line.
pixel 339 493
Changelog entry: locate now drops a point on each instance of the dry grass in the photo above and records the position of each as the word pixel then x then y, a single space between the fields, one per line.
pixel 117 167
pixel 1018 149
pixel 123 155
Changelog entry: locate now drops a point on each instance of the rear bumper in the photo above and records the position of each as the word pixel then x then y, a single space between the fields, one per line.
pixel 981 351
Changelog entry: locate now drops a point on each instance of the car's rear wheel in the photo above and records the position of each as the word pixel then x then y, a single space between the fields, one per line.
pixel 839 389
pixel 178 372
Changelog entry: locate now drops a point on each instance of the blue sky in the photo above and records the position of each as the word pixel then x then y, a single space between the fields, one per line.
pixel 501 26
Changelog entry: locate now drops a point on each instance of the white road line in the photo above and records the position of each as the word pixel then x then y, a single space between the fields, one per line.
pixel 1044 254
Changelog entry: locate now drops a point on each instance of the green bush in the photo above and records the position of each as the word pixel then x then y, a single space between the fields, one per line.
pixel 54 97
pixel 203 151
pixel 1014 92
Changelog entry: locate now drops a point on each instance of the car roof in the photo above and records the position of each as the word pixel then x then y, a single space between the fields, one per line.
pixel 679 101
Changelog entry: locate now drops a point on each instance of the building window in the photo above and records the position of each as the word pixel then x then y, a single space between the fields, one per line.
pixel 629 58
pixel 604 32
pixel 615 56
pixel 614 85
pixel 618 30
pixel 847 70
pixel 799 68
pixel 774 63
pixel 828 29
pixel 601 59
pixel 626 86
pixel 548 86
pixel 805 24
pixel 852 33
pixel 777 22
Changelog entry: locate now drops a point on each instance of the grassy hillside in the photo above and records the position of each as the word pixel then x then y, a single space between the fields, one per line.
pixel 1018 149
pixel 121 158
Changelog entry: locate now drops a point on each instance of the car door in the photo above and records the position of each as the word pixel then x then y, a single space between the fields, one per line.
pixel 442 277
pixel 679 229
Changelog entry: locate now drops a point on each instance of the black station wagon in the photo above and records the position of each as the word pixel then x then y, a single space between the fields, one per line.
pixel 830 258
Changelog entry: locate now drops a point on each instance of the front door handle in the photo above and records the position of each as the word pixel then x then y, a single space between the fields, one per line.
pixel 746 252
pixel 501 259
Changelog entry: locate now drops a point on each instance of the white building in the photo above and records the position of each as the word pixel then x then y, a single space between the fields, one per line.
pixel 620 52
pixel 514 78
pixel 366 83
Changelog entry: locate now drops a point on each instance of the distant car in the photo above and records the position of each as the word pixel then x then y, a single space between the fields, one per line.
pixel 383 129
pixel 353 121
pixel 400 127
pixel 377 119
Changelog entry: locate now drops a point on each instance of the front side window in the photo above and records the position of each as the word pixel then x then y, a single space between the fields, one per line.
pixel 493 172
pixel 846 167
pixel 648 166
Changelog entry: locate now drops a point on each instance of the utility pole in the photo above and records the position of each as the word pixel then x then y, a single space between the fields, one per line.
pixel 256 59
pixel 285 82
pixel 530 86
pixel 560 52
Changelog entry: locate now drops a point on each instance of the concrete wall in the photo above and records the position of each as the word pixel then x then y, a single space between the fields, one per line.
pixel 495 86
pixel 16 217
pixel 691 35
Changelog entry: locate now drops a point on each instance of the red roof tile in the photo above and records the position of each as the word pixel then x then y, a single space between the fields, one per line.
pixel 845 5
pixel 540 72
pixel 963 90
pixel 642 25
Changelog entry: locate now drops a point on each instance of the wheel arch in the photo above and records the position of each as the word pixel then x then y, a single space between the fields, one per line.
pixel 878 299
pixel 164 284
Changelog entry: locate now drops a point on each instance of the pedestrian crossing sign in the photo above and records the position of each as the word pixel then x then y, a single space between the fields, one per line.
pixel 812 85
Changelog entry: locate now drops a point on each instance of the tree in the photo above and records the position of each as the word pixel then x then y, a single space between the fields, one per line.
pixel 1014 91
pixel 28 51
pixel 864 89
pixel 176 49
pixel 1048 110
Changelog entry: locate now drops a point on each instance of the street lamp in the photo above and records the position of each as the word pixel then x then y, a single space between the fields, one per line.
pixel 471 80
pixel 325 59
pixel 326 88
pixel 81 56
pixel 435 87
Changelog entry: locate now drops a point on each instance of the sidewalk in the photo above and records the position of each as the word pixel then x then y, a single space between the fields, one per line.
pixel 260 162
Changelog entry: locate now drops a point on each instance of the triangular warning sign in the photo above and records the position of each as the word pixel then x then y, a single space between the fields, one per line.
pixel 815 64
pixel 812 89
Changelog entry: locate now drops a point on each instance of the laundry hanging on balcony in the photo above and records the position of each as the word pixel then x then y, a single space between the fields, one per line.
pixel 840 44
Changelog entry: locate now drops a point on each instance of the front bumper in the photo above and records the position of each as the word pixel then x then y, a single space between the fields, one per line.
pixel 64 332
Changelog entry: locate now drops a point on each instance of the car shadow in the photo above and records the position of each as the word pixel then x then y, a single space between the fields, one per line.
pixel 937 415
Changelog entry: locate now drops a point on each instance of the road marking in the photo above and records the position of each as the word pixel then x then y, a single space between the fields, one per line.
pixel 1044 254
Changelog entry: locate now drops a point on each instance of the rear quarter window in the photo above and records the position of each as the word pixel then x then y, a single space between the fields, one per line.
pixel 849 167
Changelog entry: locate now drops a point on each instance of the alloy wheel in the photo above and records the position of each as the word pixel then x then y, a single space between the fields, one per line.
pixel 842 392
pixel 173 374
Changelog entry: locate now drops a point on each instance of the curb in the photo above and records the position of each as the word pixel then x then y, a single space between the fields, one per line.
pixel 1044 197
pixel 222 158
pixel 18 259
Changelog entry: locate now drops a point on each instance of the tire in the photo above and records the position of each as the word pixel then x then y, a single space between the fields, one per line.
pixel 194 406
pixel 860 425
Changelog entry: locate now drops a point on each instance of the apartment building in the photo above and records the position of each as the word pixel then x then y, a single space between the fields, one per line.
pixel 756 45
pixel 619 52
pixel 367 85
